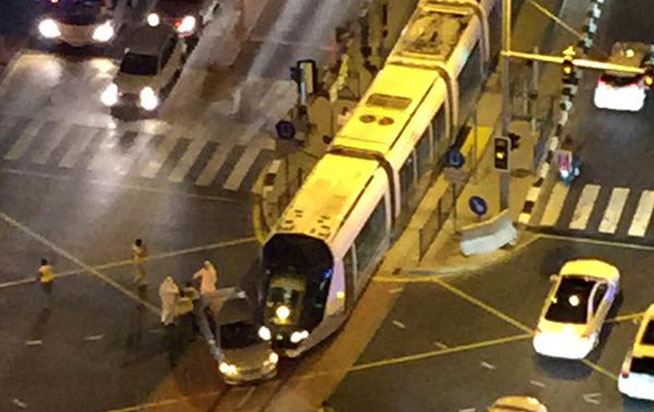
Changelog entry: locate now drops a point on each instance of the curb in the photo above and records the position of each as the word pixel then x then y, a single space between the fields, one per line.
pixel 568 93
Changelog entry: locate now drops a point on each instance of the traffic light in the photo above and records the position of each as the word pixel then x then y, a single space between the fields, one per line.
pixel 568 70
pixel 502 146
pixel 649 76
pixel 515 140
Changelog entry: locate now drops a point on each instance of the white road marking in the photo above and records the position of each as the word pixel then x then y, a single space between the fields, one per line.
pixel 592 398
pixel 101 159
pixel 243 165
pixel 536 383
pixel 488 365
pixel 399 324
pixel 19 403
pixel 134 153
pixel 555 204
pixel 24 141
pixel 50 142
pixel 395 290
pixel 614 210
pixel 163 151
pixel 643 214
pixel 467 410
pixel 92 338
pixel 186 162
pixel 80 143
pixel 34 342
pixel 584 207
pixel 213 165
pixel 441 345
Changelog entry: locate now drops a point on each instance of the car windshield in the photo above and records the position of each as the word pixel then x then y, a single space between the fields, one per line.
pixel 570 303
pixel 648 336
pixel 79 12
pixel 139 64
pixel 619 81
pixel 642 365
pixel 238 335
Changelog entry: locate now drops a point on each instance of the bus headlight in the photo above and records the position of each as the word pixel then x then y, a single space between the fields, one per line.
pixel 148 98
pixel 104 32
pixel 282 312
pixel 109 96
pixel 153 19
pixel 187 25
pixel 298 336
pixel 49 29
pixel 264 333
pixel 227 369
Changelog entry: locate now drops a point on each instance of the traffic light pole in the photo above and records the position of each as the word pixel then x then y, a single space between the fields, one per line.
pixel 505 177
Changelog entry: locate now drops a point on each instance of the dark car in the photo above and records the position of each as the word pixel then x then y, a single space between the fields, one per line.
pixel 188 17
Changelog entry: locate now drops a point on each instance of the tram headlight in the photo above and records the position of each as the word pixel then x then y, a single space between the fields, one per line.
pixel 228 369
pixel 49 29
pixel 109 96
pixel 264 333
pixel 148 99
pixel 104 32
pixel 282 312
pixel 153 20
pixel 298 336
pixel 187 25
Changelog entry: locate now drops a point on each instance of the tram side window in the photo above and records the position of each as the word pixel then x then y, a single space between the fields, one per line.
pixel 422 150
pixel 348 265
pixel 470 81
pixel 495 27
pixel 441 141
pixel 371 236
pixel 406 177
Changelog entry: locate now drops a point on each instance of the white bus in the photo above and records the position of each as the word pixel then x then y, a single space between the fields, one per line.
pixel 359 197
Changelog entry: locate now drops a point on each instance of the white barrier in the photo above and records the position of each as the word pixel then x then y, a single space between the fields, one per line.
pixel 487 236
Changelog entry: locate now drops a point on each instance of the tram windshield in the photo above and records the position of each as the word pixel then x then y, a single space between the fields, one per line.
pixel 79 12
pixel 285 291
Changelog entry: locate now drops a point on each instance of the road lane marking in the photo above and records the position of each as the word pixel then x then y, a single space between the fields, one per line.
pixel 399 324
pixel 135 152
pixel 214 164
pixel 467 410
pixel 50 143
pixel 614 210
pixel 395 290
pixel 19 403
pixel 600 369
pixel 243 166
pixel 625 317
pixel 536 383
pixel 25 139
pixel 80 142
pixel 92 338
pixel 554 204
pixel 487 365
pixel 170 401
pixel 62 252
pixel 34 342
pixel 101 159
pixel 128 262
pixel 643 214
pixel 592 398
pixel 163 151
pixel 597 242
pixel 188 159
pixel 584 207
pixel 118 185
pixel 440 345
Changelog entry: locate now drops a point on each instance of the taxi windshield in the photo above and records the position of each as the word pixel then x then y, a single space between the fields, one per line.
pixel 570 302
pixel 238 335
pixel 139 64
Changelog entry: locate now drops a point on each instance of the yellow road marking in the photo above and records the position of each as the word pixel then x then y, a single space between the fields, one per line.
pixel 39 238
pixel 164 402
pixel 628 316
pixel 598 242
pixel 117 185
pixel 600 369
pixel 119 263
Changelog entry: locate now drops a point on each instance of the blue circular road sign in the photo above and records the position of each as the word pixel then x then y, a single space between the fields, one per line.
pixel 455 159
pixel 478 205
pixel 285 129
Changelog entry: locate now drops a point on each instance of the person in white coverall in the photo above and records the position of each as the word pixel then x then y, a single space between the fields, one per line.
pixel 169 294
pixel 208 276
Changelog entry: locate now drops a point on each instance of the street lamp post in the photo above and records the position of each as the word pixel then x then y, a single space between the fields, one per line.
pixel 505 177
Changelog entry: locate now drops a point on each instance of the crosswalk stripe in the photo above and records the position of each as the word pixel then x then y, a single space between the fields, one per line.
pixel 101 158
pixel 213 165
pixel 584 207
pixel 24 141
pixel 134 153
pixel 188 159
pixel 614 210
pixel 555 204
pixel 643 214
pixel 80 143
pixel 163 151
pixel 242 167
pixel 50 143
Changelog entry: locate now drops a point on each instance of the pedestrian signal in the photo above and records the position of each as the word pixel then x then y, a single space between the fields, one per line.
pixel 502 146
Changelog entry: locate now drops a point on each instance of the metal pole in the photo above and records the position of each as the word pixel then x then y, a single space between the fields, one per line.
pixel 505 177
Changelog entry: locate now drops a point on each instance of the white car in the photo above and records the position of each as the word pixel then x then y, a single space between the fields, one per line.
pixel 575 309
pixel 637 375
pixel 622 91
pixel 517 404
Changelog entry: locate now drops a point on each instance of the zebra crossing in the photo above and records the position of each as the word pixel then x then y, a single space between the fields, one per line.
pixel 178 156
pixel 598 210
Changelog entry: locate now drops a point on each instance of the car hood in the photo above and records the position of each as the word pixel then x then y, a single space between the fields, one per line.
pixel 574 330
pixel 250 357
pixel 131 83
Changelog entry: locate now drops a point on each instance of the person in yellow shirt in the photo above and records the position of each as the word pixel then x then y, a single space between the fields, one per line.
pixel 46 276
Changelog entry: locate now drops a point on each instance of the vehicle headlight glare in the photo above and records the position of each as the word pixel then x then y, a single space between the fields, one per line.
pixel 298 336
pixel 49 29
pixel 282 312
pixel 109 96
pixel 264 333
pixel 104 32
pixel 227 369
pixel 153 19
pixel 273 358
pixel 187 25
pixel 149 100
